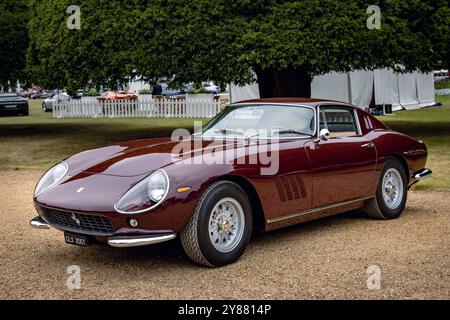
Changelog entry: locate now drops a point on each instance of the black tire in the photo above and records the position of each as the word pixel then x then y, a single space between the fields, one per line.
pixel 26 112
pixel 195 237
pixel 377 208
pixel 44 107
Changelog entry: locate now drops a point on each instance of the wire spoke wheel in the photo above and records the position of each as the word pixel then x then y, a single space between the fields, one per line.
pixel 226 225
pixel 392 188
pixel 392 191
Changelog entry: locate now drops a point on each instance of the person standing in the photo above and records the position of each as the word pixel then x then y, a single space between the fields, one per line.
pixel 157 89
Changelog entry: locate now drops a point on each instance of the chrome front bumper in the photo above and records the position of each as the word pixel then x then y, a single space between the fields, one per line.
pixel 422 174
pixel 118 241
pixel 137 241
pixel 39 223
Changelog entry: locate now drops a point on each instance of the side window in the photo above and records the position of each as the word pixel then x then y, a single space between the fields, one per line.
pixel 339 121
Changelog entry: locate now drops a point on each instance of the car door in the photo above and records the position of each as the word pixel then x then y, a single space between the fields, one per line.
pixel 343 167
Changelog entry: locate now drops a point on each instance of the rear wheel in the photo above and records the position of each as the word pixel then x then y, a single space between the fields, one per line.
pixel 219 230
pixel 391 195
pixel 44 107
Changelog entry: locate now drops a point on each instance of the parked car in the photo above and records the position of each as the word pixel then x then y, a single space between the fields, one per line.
pixel 211 87
pixel 24 94
pixel 40 95
pixel 112 96
pixel 441 75
pixel 78 95
pixel 168 92
pixel 47 105
pixel 332 157
pixel 13 104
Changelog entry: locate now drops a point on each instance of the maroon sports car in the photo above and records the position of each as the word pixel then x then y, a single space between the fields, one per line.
pixel 258 165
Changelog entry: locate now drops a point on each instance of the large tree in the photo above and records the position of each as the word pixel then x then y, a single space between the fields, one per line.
pixel 13 40
pixel 101 50
pixel 286 43
pixel 281 43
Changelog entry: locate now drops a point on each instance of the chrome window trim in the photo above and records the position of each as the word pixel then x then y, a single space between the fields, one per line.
pixel 236 138
pixel 337 106
pixel 358 125
pixel 314 109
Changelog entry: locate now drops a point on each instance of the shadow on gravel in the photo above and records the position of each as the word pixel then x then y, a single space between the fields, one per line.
pixel 171 254
pixel 164 255
pixel 346 218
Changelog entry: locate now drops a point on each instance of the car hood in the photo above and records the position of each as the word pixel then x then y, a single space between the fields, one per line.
pixel 136 158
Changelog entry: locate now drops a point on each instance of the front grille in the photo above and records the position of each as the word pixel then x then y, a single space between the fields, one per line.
pixel 78 222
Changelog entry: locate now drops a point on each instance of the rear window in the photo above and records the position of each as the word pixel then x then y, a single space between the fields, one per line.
pixel 8 95
pixel 339 121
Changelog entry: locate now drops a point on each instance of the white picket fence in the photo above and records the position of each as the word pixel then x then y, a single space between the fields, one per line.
pixel 200 107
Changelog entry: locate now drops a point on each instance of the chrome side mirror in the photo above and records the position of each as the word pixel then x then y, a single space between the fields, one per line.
pixel 324 134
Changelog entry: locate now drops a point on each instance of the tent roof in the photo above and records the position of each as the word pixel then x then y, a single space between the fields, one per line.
pixel 360 88
pixel 307 101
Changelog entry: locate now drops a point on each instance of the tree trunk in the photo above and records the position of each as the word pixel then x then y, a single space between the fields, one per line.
pixel 284 83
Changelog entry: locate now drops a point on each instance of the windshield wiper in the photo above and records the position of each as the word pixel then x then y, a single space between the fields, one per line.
pixel 294 132
pixel 226 131
pixel 282 132
pixel 223 131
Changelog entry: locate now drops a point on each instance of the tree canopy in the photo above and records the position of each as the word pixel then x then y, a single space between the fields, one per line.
pixel 285 43
pixel 13 40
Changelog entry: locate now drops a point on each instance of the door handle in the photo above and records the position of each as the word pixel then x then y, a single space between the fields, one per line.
pixel 369 145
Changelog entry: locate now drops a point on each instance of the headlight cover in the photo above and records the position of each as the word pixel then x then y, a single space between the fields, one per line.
pixel 51 177
pixel 144 195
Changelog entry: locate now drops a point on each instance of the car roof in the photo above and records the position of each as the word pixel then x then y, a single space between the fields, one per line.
pixel 304 101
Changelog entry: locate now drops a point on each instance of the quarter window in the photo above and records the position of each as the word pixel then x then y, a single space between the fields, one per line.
pixel 339 121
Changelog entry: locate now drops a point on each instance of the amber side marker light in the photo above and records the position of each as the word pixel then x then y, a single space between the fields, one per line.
pixel 183 189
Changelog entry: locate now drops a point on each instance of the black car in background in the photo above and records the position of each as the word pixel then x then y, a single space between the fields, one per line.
pixel 13 104
pixel 40 95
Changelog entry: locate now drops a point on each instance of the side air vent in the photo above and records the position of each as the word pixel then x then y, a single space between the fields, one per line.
pixel 290 188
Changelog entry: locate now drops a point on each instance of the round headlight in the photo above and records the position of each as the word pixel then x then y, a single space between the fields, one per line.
pixel 51 177
pixel 144 195
pixel 157 186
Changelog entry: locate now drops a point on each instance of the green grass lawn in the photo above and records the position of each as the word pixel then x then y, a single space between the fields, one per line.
pixel 38 141
pixel 432 125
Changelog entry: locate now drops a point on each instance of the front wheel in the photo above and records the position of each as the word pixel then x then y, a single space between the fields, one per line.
pixel 44 107
pixel 390 199
pixel 219 230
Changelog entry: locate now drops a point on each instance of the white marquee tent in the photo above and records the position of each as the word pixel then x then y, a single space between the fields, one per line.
pixel 404 91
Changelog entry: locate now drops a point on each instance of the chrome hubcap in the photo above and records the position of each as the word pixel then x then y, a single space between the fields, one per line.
pixel 226 224
pixel 392 188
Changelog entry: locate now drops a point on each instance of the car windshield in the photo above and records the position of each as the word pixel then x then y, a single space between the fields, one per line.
pixel 262 121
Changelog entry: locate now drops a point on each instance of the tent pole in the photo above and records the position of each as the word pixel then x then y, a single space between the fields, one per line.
pixel 398 90
pixel 349 83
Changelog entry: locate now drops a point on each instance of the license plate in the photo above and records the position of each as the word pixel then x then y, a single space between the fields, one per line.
pixel 76 239
pixel 13 106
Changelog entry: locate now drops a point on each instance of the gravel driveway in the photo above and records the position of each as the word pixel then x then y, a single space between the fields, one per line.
pixel 321 259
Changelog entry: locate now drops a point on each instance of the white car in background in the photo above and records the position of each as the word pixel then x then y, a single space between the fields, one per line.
pixel 211 87
pixel 47 105
pixel 441 75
